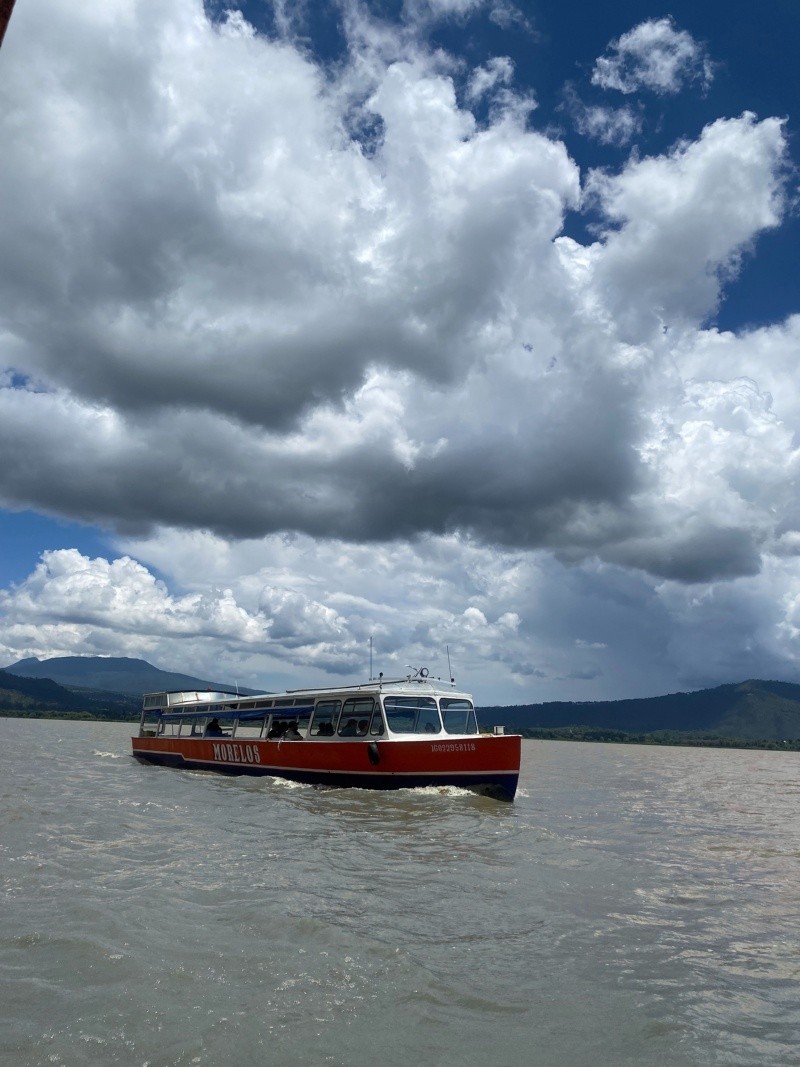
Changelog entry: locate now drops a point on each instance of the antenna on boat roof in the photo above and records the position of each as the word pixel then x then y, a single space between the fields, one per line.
pixel 449 668
pixel 370 658
pixel 420 674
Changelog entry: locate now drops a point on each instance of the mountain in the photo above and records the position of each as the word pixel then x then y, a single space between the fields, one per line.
pixel 17 692
pixel 102 687
pixel 112 688
pixel 752 710
pixel 44 697
pixel 114 674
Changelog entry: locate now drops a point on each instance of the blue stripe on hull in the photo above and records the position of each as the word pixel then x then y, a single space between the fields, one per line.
pixel 498 786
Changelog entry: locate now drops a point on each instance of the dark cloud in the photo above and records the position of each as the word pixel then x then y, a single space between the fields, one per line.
pixel 698 552
pixel 315 343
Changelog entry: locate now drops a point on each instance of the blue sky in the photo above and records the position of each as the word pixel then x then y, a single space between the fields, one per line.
pixel 452 322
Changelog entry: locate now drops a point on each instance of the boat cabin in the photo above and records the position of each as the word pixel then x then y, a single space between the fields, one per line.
pixel 386 710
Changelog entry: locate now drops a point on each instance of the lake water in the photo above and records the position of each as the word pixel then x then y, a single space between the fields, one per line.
pixel 634 906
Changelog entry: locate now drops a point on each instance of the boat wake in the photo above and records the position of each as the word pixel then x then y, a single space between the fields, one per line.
pixel 439 791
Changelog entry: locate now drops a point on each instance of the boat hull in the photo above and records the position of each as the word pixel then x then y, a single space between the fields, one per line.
pixel 484 764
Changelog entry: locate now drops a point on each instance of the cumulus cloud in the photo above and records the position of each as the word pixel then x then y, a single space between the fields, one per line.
pixel 497 71
pixel 234 250
pixel 608 125
pixel 332 315
pixel 264 619
pixel 233 318
pixel 520 626
pixel 654 55
pixel 94 595
pixel 680 223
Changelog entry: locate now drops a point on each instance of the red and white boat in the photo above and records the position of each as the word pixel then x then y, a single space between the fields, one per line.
pixel 379 735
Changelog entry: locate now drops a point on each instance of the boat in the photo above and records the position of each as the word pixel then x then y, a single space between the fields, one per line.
pixel 403 734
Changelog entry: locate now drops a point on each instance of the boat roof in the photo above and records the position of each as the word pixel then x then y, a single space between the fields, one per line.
pixel 294 701
pixel 410 685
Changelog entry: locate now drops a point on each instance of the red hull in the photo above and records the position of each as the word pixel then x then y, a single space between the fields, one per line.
pixel 488 764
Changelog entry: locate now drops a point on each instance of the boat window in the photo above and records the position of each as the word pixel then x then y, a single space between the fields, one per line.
pixel 250 727
pixel 412 715
pixel 459 717
pixel 170 729
pixel 377 728
pixel 354 720
pixel 323 722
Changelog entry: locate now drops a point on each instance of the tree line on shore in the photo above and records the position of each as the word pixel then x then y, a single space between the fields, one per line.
pixel 751 714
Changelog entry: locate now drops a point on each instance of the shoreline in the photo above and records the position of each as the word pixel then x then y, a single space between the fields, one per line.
pixel 591 734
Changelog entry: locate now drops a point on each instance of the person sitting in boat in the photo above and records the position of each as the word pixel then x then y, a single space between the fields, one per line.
pixel 214 729
pixel 292 733
pixel 362 727
pixel 277 731
pixel 350 729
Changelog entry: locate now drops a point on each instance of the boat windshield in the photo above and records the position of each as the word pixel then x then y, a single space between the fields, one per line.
pixel 459 717
pixel 412 715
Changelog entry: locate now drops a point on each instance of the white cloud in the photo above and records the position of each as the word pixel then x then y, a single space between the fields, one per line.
pixel 122 595
pixel 505 13
pixel 654 55
pixel 497 71
pixel 608 125
pixel 447 8
pixel 683 221
pixel 520 627
pixel 509 16
pixel 767 355
pixel 331 316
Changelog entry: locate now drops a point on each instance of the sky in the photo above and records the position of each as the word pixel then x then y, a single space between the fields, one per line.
pixel 464 325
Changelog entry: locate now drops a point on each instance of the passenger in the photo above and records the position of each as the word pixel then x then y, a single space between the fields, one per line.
pixel 214 729
pixel 325 729
pixel 292 733
pixel 277 731
pixel 349 729
pixel 362 727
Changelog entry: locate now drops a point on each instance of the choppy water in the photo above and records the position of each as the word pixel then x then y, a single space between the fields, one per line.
pixel 634 906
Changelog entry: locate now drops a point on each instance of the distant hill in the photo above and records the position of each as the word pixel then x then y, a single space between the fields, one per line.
pixel 35 692
pixel 112 687
pixel 44 697
pixel 752 710
pixel 114 674
pixel 97 686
